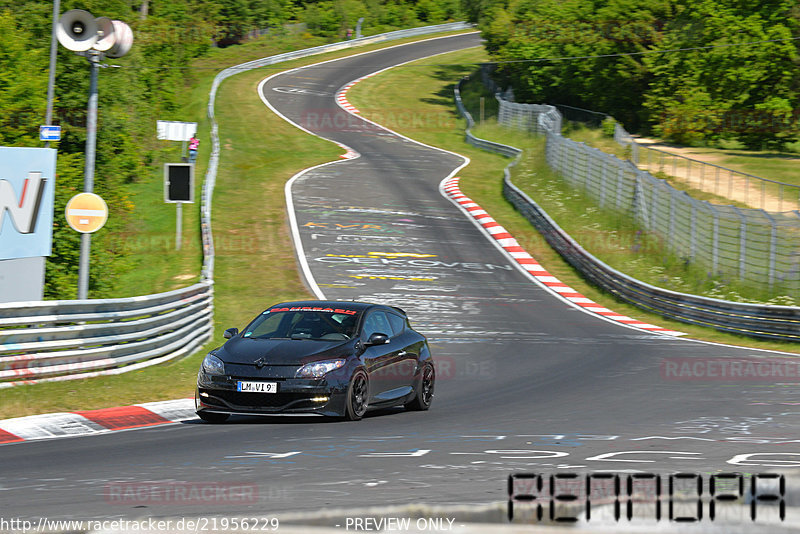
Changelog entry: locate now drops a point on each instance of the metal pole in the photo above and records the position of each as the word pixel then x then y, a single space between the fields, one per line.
pixel 88 175
pixel 178 224
pixel 51 79
pixel 358 28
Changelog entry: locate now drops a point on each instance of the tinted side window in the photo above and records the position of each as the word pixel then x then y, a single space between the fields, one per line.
pixel 397 322
pixel 376 322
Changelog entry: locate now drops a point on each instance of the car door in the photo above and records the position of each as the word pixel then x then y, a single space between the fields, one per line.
pixel 407 354
pixel 380 360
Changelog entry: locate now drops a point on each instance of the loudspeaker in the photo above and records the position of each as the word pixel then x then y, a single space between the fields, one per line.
pixel 77 30
pixel 123 39
pixel 106 38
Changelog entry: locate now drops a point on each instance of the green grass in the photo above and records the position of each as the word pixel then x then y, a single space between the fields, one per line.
pixel 428 91
pixel 255 262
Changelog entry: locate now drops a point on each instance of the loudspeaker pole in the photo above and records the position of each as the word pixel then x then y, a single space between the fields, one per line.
pixel 51 77
pixel 94 58
pixel 93 38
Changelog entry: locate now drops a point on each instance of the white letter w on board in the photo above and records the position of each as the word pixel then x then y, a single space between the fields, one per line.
pixel 25 211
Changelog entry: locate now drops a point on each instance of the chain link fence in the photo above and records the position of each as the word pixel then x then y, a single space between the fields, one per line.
pixel 534 118
pixel 753 245
pixel 748 189
pixel 755 320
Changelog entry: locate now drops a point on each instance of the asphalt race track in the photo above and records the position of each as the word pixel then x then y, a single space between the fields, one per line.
pixel 526 382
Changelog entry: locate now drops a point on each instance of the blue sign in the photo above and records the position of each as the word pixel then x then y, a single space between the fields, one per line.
pixel 27 196
pixel 50 133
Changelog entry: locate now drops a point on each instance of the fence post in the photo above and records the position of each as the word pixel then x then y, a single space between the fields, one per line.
pixel 693 238
pixel 640 203
pixel 742 242
pixel 730 183
pixel 747 190
pixel 603 173
pixel 773 247
pixel 656 194
pixel 714 239
pixel 672 192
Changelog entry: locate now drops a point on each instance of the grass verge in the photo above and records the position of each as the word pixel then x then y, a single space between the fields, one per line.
pixel 255 263
pixel 428 92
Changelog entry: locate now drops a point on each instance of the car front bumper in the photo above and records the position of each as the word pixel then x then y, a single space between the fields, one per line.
pixel 294 396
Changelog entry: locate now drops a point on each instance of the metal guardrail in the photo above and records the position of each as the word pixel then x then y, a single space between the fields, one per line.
pixel 754 320
pixel 68 339
pixel 65 339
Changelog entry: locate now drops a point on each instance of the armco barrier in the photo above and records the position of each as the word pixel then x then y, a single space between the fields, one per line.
pixel 63 339
pixel 68 339
pixel 755 320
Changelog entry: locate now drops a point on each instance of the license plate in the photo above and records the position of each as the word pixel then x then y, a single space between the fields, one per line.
pixel 257 387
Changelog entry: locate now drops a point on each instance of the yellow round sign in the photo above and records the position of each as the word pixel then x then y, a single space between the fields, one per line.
pixel 86 213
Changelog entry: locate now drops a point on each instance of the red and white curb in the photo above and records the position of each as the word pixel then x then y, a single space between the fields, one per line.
pixel 513 248
pixel 341 94
pixel 83 423
pixel 532 267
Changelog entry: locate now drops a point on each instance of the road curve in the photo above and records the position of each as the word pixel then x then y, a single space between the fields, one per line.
pixel 526 382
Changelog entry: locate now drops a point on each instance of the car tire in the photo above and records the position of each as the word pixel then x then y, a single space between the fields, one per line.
pixel 424 395
pixel 213 417
pixel 357 396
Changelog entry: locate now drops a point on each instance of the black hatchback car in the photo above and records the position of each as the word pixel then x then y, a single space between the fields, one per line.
pixel 330 358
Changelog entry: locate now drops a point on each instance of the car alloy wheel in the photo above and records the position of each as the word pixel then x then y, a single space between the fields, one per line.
pixel 424 394
pixel 357 393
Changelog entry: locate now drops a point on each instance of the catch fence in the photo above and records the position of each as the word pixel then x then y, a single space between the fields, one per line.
pixel 753 245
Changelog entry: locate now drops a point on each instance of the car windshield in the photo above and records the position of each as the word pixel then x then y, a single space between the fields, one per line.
pixel 315 323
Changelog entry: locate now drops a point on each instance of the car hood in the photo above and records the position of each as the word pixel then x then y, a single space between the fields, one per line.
pixel 281 351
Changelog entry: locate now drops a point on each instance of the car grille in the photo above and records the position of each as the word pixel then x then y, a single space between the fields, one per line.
pixel 262 400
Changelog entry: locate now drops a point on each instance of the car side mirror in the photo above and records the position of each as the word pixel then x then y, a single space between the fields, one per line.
pixel 230 332
pixel 377 339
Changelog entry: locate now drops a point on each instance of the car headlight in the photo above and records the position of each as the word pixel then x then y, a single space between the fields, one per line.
pixel 318 369
pixel 213 365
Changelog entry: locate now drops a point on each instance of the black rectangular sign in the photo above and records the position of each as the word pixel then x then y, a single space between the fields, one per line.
pixel 178 182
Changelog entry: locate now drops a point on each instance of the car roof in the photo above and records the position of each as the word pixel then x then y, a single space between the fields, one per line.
pixel 350 304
